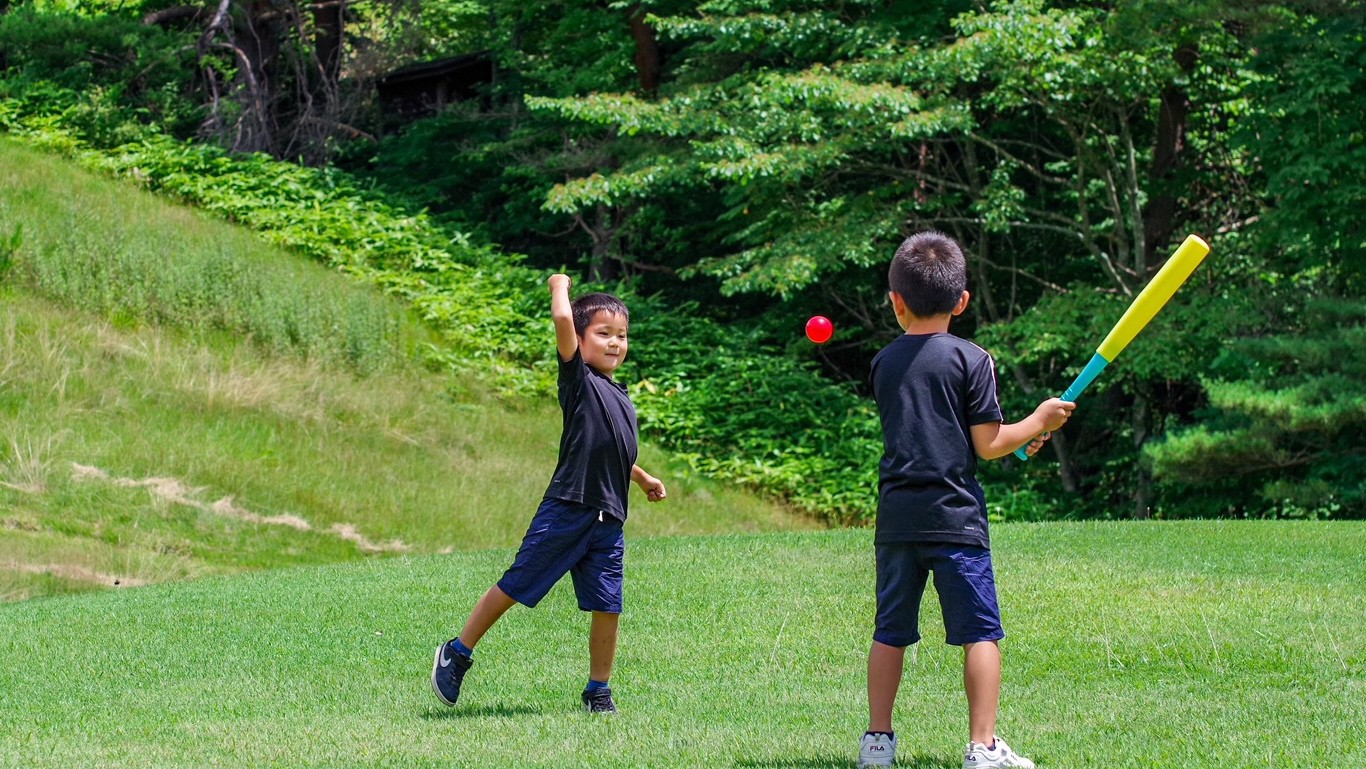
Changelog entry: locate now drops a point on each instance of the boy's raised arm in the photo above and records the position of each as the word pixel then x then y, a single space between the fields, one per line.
pixel 994 440
pixel 566 341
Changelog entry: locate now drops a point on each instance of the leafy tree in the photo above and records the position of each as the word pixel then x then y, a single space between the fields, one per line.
pixel 1304 135
pixel 1058 143
pixel 109 75
pixel 1069 147
pixel 760 159
pixel 1282 437
pixel 495 161
pixel 1280 434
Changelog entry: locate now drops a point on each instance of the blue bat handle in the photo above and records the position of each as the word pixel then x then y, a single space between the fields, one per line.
pixel 1093 368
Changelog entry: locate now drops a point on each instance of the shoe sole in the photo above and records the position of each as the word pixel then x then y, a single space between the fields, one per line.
pixel 436 665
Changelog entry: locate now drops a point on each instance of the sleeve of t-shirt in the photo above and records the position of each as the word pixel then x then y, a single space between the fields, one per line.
pixel 983 405
pixel 572 373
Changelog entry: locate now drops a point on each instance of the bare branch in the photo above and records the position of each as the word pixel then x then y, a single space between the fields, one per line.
pixel 218 24
pixel 1022 273
pixel 174 14
pixel 999 149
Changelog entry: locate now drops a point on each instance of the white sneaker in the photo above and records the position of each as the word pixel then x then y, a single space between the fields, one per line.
pixel 877 750
pixel 999 756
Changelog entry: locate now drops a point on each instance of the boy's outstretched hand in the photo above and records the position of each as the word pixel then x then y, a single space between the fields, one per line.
pixel 654 490
pixel 652 486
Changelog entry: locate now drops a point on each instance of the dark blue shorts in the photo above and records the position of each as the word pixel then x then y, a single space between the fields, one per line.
pixel 964 579
pixel 566 537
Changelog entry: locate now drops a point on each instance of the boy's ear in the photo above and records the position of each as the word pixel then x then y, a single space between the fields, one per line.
pixel 962 304
pixel 898 304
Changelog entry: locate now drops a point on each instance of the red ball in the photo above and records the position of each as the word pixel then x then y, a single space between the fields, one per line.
pixel 819 329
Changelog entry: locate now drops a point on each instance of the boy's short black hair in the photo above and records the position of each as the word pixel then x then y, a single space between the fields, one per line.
pixel 588 305
pixel 930 273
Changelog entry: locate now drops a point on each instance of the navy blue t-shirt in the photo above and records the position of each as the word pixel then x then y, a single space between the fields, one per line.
pixel 598 444
pixel 930 389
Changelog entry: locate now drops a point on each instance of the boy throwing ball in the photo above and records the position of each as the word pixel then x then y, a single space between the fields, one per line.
pixel 578 527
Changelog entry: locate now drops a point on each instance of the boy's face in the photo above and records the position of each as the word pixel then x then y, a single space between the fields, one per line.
pixel 604 341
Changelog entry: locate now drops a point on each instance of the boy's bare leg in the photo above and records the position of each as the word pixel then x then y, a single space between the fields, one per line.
pixel 885 666
pixel 493 605
pixel 602 645
pixel 982 682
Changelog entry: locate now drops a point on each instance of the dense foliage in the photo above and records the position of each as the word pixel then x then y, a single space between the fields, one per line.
pixel 737 165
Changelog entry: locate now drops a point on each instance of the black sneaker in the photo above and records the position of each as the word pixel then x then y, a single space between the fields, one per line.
pixel 599 700
pixel 448 670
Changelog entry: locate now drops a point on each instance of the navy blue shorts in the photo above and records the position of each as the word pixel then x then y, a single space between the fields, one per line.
pixel 566 537
pixel 964 579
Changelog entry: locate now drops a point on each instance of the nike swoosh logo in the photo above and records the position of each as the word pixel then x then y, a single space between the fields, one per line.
pixel 445 661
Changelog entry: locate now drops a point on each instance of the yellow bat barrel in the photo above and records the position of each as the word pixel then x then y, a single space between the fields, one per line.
pixel 1154 296
pixel 1151 299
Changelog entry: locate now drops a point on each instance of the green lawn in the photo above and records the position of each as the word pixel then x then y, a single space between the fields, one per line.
pixel 1131 645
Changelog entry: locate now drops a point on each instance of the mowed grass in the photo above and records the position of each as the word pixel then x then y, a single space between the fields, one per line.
pixel 1130 645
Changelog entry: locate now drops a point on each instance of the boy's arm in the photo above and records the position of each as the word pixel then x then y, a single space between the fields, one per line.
pixel 652 486
pixel 566 341
pixel 993 439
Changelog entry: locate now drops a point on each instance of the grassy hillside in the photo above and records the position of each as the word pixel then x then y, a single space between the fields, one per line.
pixel 1156 645
pixel 153 424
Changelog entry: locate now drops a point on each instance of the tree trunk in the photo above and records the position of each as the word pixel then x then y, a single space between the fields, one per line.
pixel 250 39
pixel 602 267
pixel 1143 492
pixel 329 20
pixel 286 58
pixel 260 45
pixel 1067 469
pixel 316 115
pixel 1159 219
pixel 1170 143
pixel 647 51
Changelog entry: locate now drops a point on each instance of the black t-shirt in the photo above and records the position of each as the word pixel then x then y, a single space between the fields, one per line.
pixel 598 444
pixel 930 389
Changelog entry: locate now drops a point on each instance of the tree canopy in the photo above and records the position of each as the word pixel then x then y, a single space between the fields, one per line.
pixel 752 162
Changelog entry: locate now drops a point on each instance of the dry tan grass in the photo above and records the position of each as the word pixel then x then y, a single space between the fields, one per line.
pixel 75 573
pixel 24 466
pixel 177 492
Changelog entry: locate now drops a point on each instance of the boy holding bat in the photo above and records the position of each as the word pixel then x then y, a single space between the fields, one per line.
pixel 936 395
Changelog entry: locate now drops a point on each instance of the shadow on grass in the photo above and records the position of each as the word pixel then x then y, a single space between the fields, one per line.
pixel 921 761
pixel 498 710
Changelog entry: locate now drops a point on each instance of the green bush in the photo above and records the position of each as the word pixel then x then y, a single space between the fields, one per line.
pixel 736 407
pixel 109 76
